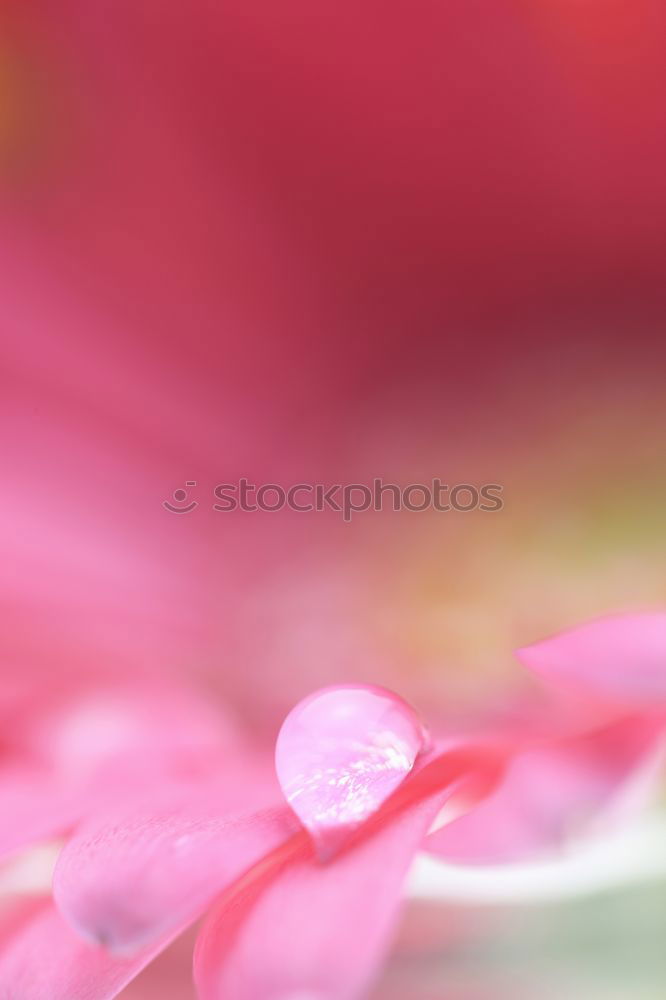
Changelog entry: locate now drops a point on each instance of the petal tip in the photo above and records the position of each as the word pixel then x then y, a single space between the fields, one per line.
pixel 618 657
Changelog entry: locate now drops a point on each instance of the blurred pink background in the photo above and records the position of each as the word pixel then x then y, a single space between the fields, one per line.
pixel 328 245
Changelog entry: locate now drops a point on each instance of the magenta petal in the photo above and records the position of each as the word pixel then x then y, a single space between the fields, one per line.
pixel 136 879
pixel 340 754
pixel 312 931
pixel 622 658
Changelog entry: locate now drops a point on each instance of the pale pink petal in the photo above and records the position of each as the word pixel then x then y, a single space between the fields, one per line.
pixel 554 793
pixel 340 754
pixel 311 931
pixel 622 658
pixel 44 959
pixel 134 879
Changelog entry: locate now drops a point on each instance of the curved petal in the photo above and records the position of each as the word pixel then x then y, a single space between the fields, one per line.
pixel 553 793
pixel 297 927
pixel 340 754
pixel 621 658
pixel 312 930
pixel 136 878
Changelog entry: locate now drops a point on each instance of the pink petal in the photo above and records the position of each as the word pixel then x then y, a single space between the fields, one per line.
pixel 340 754
pixel 552 793
pixel 136 878
pixel 16 912
pixel 160 724
pixel 72 759
pixel 45 960
pixel 169 976
pixel 303 930
pixel 33 808
pixel 294 927
pixel 622 658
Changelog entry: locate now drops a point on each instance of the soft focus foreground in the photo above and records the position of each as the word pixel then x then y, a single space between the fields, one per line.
pixel 326 245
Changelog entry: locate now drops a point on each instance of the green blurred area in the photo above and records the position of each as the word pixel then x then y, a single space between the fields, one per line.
pixel 610 947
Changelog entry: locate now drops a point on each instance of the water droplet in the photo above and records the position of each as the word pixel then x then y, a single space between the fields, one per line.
pixel 340 754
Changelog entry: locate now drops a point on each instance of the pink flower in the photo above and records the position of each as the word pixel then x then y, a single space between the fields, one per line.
pixel 305 893
pixel 259 239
